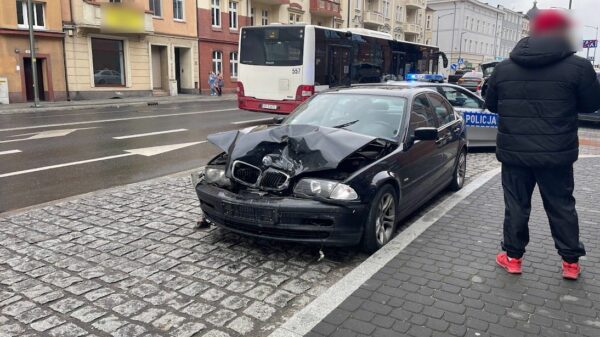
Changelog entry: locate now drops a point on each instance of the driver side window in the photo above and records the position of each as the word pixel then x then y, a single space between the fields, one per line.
pixel 421 115
pixel 459 99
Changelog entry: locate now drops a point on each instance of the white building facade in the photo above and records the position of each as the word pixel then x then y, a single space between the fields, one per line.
pixel 468 29
pixel 513 27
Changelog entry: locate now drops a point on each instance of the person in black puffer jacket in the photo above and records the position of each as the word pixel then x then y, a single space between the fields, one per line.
pixel 538 94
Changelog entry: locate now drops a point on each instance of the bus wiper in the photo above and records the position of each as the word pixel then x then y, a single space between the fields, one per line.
pixel 341 126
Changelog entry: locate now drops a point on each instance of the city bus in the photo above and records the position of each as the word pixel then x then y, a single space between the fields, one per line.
pixel 280 66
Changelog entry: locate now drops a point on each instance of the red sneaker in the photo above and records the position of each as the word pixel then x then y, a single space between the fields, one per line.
pixel 571 270
pixel 513 266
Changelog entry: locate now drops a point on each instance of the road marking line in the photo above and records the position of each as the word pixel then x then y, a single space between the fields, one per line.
pixel 115 120
pixel 9 152
pixel 252 121
pixel 147 152
pixel 303 321
pixel 150 134
pixel 43 135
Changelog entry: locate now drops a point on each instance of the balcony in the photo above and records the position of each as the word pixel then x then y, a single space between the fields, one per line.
pixel 325 7
pixel 114 18
pixel 412 28
pixel 374 18
pixel 415 4
pixel 271 2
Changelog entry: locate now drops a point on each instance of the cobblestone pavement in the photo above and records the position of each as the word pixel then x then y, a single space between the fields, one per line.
pixel 128 262
pixel 446 282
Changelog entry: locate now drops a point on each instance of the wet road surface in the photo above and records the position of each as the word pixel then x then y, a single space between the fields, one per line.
pixel 46 156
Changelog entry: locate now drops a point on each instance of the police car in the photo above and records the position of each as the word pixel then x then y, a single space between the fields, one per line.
pixel 482 125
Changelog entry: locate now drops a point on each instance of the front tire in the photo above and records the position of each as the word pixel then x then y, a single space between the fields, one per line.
pixel 460 172
pixel 381 222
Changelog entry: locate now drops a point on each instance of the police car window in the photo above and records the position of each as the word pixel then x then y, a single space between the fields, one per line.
pixel 443 112
pixel 459 99
pixel 421 115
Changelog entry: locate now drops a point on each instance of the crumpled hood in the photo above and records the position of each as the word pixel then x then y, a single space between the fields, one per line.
pixel 536 52
pixel 294 149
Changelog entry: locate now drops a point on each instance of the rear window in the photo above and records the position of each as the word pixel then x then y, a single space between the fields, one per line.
pixel 272 46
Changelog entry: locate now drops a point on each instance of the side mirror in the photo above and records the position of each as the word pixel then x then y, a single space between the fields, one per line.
pixel 426 133
pixel 278 120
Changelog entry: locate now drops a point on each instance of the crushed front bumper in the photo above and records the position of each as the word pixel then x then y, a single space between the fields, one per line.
pixel 282 218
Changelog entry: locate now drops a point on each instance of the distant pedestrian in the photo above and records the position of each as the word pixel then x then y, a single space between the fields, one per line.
pixel 538 93
pixel 220 83
pixel 212 83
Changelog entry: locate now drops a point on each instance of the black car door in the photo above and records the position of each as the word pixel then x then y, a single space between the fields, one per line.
pixel 449 130
pixel 417 162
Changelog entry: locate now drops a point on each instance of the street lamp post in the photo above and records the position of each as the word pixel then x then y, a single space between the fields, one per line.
pixel 437 34
pixel 460 45
pixel 36 94
pixel 570 3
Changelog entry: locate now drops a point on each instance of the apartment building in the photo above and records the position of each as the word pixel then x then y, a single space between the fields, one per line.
pixel 403 19
pixel 219 23
pixel 513 24
pixel 468 30
pixel 16 68
pixel 121 48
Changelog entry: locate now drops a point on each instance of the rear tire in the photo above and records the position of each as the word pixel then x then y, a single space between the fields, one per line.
pixel 460 172
pixel 381 222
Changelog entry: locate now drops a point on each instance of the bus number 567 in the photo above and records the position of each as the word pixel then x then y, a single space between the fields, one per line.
pixel 295 71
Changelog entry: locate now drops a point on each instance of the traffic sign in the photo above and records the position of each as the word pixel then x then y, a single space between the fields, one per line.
pixel 461 61
pixel 590 43
pixel 454 66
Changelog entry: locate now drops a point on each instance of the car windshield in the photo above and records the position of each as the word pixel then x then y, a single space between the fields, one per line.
pixel 373 115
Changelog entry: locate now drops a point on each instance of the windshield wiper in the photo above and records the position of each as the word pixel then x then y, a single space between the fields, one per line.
pixel 345 124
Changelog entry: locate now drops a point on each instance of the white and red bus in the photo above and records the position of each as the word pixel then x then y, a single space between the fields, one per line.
pixel 281 66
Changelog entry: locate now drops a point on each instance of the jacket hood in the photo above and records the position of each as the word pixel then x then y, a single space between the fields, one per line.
pixel 535 52
pixel 294 149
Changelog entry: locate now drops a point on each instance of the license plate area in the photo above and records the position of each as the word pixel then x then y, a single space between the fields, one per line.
pixel 269 106
pixel 259 215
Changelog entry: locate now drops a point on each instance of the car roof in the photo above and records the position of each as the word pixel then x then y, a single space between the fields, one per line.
pixel 410 84
pixel 380 89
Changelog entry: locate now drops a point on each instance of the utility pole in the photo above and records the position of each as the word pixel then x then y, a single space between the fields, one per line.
pixel 34 74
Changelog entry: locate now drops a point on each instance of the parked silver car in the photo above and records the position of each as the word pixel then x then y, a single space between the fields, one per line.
pixel 482 125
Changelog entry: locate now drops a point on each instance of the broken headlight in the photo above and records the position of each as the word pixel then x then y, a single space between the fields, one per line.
pixel 325 189
pixel 216 175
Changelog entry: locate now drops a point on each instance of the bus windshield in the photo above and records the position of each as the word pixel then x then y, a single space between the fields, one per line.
pixel 272 46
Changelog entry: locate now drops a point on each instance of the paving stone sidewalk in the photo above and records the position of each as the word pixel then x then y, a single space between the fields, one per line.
pixel 446 283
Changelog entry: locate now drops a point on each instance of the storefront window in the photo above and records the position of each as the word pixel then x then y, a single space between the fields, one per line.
pixel 108 62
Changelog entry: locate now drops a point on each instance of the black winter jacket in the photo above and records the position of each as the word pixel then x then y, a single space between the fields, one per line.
pixel 537 94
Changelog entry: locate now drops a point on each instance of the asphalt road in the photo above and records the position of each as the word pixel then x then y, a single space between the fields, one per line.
pixel 46 156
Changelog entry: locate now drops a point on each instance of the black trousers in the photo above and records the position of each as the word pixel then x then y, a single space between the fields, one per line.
pixel 556 186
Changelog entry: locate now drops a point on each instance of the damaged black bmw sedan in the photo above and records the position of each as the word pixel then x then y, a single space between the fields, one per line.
pixel 343 169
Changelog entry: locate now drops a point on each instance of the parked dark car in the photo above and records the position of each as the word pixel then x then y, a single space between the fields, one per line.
pixel 593 117
pixel 453 79
pixel 343 169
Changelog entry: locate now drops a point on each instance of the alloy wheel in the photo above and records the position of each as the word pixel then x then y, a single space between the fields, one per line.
pixel 461 169
pixel 386 218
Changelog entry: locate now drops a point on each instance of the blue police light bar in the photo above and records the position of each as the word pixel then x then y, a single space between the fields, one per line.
pixel 425 77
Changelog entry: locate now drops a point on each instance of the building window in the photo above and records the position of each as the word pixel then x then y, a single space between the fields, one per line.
pixel 295 18
pixel 358 4
pixel 252 21
pixel 38 14
pixel 265 17
pixel 156 7
pixel 428 22
pixel 178 9
pixel 233 15
pixel 215 13
pixel 217 61
pixel 398 13
pixel 386 8
pixel 233 63
pixel 109 62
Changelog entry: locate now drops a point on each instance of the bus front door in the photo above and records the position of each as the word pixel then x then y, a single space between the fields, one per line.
pixel 339 66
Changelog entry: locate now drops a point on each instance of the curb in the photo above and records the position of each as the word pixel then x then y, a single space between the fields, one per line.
pixel 116 104
pixel 307 318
